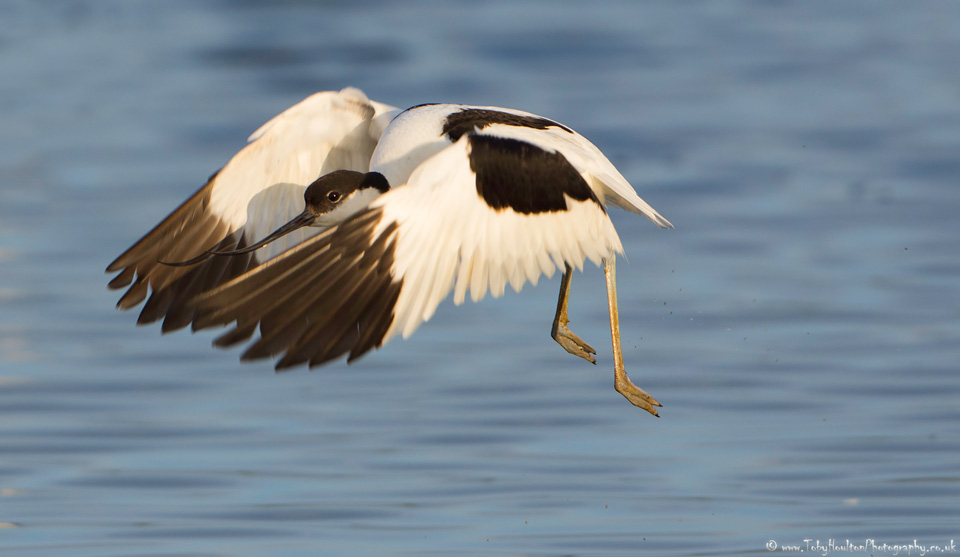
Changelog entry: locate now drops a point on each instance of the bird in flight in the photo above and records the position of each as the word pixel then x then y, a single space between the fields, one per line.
pixel 345 222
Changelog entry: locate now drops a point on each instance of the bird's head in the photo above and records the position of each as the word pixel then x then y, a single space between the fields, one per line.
pixel 329 200
pixel 335 197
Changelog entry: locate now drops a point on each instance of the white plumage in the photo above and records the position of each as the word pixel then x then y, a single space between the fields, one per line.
pixel 259 189
pixel 446 232
pixel 439 198
pixel 264 183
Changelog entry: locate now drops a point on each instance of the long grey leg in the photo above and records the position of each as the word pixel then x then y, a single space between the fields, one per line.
pixel 637 396
pixel 563 335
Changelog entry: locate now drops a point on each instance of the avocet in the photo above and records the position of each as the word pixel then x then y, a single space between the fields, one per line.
pixel 345 222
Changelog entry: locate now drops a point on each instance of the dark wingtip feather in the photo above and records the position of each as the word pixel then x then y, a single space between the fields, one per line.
pixel 286 363
pixel 235 336
pixel 133 296
pixel 115 265
pixel 121 280
pixel 175 320
pixel 157 305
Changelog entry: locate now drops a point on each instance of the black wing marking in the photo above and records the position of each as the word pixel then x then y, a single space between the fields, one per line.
pixel 470 119
pixel 521 176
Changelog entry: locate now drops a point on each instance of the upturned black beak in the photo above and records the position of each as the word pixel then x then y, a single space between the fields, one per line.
pixel 306 218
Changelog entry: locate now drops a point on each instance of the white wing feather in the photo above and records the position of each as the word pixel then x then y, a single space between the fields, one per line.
pixel 257 191
pixel 447 237
pixel 265 181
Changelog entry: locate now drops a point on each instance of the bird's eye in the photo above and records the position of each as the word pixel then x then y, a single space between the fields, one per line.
pixel 333 196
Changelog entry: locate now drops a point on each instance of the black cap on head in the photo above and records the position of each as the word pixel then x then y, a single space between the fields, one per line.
pixel 376 181
pixel 328 190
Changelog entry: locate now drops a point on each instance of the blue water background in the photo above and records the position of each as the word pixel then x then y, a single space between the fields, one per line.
pixel 801 324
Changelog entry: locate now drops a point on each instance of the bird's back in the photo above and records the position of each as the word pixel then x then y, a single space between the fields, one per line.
pixel 421 132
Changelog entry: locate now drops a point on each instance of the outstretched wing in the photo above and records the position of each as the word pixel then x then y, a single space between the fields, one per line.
pixel 257 191
pixel 483 213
